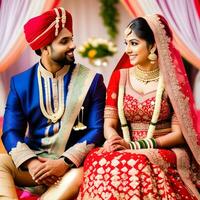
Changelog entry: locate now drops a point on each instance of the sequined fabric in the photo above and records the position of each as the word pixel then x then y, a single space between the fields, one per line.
pixel 135 174
pixel 124 175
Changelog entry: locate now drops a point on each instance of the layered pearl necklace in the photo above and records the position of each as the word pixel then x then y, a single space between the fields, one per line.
pixel 58 100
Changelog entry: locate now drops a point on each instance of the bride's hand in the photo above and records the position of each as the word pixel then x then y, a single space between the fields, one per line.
pixel 115 143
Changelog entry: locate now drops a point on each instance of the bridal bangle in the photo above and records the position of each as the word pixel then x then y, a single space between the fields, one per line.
pixel 148 143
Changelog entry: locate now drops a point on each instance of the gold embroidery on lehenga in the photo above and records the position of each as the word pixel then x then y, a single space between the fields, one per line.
pixel 138 177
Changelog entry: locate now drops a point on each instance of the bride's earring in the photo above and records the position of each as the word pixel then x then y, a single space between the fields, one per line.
pixel 152 56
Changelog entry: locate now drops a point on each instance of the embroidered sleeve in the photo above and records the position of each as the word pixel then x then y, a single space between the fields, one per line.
pixel 112 96
pixel 78 152
pixel 21 153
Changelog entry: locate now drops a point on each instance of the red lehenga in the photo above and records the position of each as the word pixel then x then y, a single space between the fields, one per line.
pixel 134 174
pixel 149 173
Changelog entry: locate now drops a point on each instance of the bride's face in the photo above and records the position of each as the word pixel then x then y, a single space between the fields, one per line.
pixel 136 48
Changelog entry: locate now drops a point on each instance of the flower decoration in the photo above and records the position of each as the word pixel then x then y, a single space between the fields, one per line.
pixel 97 48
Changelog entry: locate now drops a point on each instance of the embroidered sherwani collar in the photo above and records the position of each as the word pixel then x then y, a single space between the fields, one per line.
pixel 46 73
pixel 53 93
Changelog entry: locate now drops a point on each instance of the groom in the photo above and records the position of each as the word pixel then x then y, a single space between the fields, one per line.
pixel 53 115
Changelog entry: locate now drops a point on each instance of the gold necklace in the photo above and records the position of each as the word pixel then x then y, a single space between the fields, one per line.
pixel 146 76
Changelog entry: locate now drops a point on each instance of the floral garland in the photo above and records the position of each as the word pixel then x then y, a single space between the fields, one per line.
pixel 157 107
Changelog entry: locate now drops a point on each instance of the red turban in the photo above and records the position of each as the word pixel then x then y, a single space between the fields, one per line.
pixel 43 29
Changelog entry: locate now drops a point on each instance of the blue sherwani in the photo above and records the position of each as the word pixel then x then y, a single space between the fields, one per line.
pixel 24 121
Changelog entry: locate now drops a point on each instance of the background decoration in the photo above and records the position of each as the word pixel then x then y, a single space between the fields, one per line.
pixel 110 15
pixel 97 50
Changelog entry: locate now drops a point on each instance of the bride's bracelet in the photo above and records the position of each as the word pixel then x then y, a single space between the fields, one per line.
pixel 147 143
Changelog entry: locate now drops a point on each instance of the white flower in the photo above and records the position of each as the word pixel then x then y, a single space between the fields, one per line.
pixel 94 43
pixel 81 49
pixel 101 47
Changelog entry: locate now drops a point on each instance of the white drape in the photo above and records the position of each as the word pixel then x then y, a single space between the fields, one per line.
pixel 186 23
pixel 13 15
pixel 182 16
pixel 184 19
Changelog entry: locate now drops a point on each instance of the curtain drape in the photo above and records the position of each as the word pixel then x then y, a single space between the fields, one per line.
pixel 13 15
